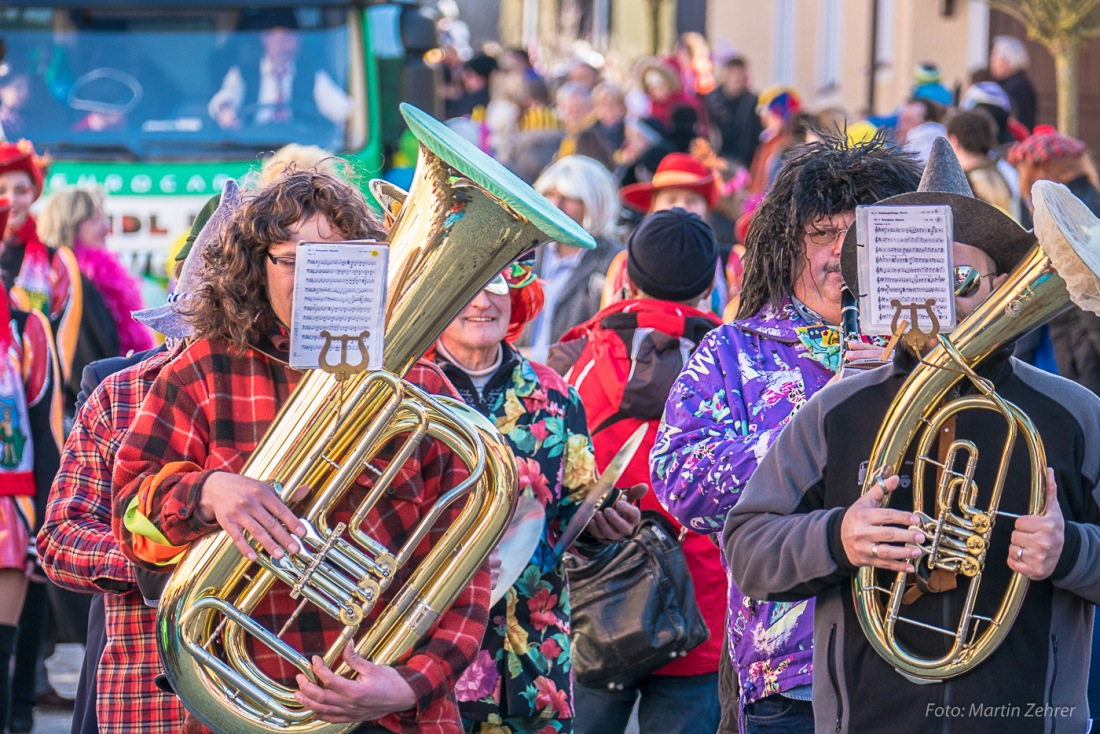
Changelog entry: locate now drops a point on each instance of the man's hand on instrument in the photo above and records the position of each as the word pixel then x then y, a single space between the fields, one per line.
pixel 857 350
pixel 1038 539
pixel 377 690
pixel 876 536
pixel 240 504
pixel 620 520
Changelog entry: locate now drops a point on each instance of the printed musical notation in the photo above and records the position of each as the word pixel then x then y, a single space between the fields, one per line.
pixel 904 256
pixel 339 288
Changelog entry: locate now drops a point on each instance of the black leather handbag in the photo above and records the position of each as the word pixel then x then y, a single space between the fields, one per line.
pixel 633 610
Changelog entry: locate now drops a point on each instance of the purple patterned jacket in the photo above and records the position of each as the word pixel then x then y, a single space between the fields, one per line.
pixel 738 390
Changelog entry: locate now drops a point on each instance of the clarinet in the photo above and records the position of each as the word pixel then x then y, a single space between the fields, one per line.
pixel 849 315
pixel 849 322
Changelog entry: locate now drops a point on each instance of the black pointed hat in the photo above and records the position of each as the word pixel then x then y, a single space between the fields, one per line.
pixel 976 223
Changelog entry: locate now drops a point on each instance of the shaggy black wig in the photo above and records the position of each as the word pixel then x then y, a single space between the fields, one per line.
pixel 818 179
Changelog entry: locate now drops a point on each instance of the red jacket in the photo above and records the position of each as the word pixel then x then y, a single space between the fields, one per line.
pixel 623 362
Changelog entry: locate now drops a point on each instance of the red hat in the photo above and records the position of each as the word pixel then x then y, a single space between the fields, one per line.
pixel 20 157
pixel 1047 144
pixel 675 171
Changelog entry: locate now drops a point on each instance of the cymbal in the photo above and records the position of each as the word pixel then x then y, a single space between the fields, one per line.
pixel 599 491
pixel 518 544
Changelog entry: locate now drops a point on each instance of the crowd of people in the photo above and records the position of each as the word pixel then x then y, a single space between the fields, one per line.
pixel 709 311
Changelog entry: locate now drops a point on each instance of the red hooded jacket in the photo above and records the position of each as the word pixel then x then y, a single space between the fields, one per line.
pixel 623 362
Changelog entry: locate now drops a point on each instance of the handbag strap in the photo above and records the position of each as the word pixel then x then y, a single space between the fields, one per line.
pixel 668 525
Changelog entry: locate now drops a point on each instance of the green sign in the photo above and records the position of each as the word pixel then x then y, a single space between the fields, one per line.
pixel 146 179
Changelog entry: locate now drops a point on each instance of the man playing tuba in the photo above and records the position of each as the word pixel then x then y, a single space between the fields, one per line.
pixel 177 471
pixel 802 529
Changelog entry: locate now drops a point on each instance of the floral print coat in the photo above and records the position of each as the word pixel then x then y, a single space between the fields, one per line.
pixel 735 394
pixel 524 669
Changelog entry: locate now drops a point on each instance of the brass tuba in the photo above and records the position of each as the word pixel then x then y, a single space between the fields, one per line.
pixel 958 536
pixel 466 217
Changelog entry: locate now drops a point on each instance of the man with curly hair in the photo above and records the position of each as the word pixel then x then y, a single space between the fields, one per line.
pixel 176 476
pixel 746 379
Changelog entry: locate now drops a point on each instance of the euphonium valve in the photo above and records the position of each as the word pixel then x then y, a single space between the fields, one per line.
pixel 464 219
pixel 1063 268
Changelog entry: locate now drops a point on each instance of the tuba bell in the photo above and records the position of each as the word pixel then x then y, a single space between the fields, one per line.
pixel 958 533
pixel 464 219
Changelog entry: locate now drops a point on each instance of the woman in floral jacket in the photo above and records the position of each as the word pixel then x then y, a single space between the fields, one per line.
pixel 520 680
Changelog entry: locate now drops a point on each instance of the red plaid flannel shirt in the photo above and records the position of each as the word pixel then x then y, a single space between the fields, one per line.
pixel 79 552
pixel 212 408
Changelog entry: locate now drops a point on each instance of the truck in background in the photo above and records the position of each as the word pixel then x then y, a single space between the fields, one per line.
pixel 118 93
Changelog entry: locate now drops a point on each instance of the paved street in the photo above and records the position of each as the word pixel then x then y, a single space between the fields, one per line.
pixel 64 669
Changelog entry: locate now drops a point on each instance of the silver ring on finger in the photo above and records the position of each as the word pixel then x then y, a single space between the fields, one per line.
pixel 1019 553
pixel 874 551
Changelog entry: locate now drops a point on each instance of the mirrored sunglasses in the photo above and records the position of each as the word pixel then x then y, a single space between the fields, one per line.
pixel 498 286
pixel 968 280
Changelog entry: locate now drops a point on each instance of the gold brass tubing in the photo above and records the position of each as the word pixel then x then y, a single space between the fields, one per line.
pixel 1031 295
pixel 492 517
pixel 438 262
pixel 343 554
pixel 342 445
pixel 291 575
pixel 415 424
pixel 354 450
pixel 261 694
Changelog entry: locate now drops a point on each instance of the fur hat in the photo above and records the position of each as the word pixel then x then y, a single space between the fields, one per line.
pixel 976 223
pixel 168 319
pixel 675 171
pixel 20 157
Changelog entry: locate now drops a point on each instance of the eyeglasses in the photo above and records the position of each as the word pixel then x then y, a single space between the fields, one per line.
pixel 827 236
pixel 968 280
pixel 284 263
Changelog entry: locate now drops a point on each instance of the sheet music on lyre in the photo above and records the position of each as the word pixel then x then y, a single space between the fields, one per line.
pixel 339 288
pixel 904 258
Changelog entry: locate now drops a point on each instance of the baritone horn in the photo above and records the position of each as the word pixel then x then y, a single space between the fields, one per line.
pixel 958 533
pixel 465 218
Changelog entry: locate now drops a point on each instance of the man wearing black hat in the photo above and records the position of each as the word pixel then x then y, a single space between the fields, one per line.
pixel 623 362
pixel 801 528
pixel 745 380
pixel 281 87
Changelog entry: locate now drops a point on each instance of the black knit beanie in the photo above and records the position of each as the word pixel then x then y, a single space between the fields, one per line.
pixel 672 255
pixel 483 65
